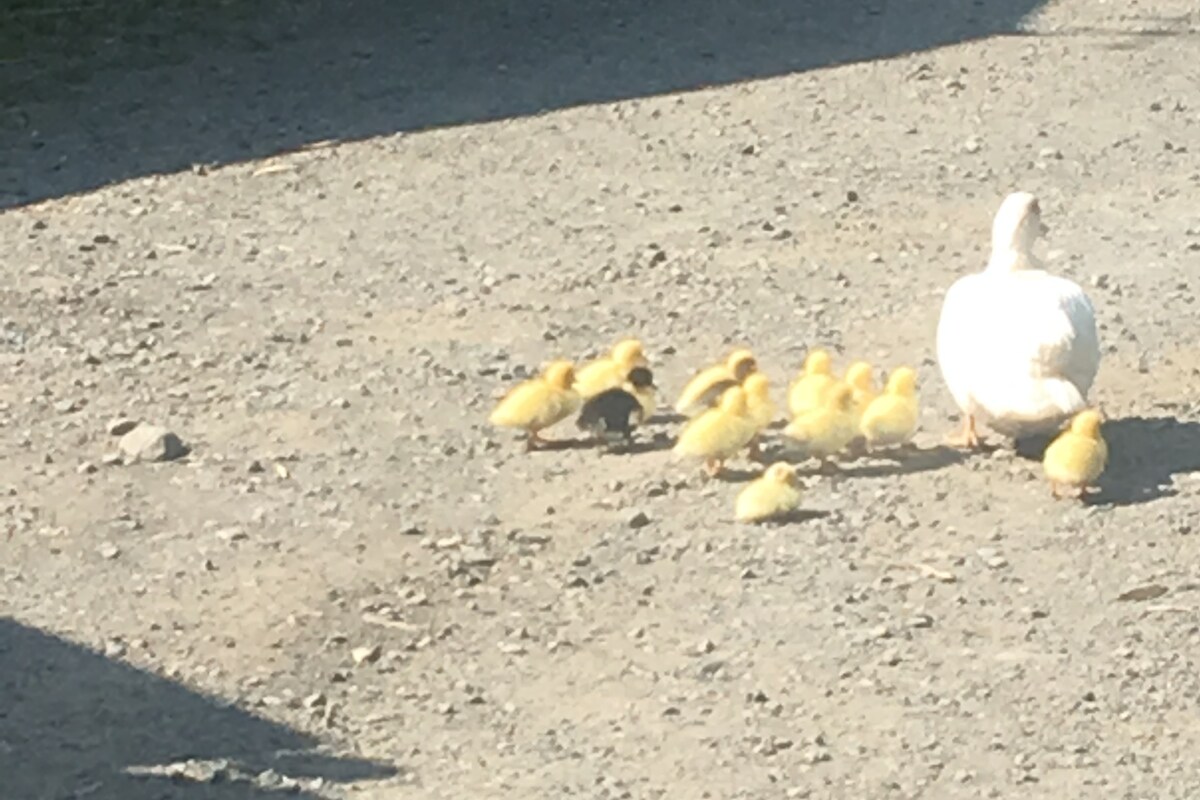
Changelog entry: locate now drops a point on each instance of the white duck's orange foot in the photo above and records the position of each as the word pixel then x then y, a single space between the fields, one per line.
pixel 967 438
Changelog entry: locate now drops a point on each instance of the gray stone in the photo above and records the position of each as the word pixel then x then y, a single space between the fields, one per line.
pixel 151 443
pixel 121 426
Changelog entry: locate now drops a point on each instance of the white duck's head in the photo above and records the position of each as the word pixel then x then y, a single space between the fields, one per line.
pixel 1017 225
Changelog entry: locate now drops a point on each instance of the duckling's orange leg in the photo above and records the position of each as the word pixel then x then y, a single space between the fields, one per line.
pixel 1068 492
pixel 967 439
pixel 534 441
pixel 712 467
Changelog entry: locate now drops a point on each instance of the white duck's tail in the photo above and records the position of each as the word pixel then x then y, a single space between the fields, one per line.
pixel 1039 408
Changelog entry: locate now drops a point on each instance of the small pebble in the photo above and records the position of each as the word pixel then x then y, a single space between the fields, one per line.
pixel 366 655
pixel 639 520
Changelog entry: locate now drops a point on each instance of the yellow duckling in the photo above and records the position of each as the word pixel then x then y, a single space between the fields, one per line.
pixel 862 384
pixel 539 402
pixel 775 493
pixel 610 372
pixel 808 390
pixel 760 408
pixel 706 388
pixel 827 430
pixel 718 433
pixel 1077 457
pixel 891 418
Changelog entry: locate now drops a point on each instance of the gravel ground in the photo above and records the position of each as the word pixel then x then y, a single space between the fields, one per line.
pixel 349 586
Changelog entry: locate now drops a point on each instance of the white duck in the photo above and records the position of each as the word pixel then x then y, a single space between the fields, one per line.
pixel 1017 346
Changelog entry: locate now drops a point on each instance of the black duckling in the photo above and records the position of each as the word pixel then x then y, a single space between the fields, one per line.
pixel 614 413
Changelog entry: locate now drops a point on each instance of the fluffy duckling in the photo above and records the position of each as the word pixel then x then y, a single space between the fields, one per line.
pixel 775 493
pixel 718 433
pixel 891 418
pixel 828 429
pixel 707 387
pixel 1077 457
pixel 539 402
pixel 862 385
pixel 809 388
pixel 616 412
pixel 611 371
pixel 760 408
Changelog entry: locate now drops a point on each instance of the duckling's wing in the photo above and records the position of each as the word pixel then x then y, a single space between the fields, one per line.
pixel 807 426
pixel 590 416
pixel 608 411
pixel 522 405
pixel 763 411
pixel 712 395
pixel 1073 459
pixel 714 432
pixel 889 420
pixel 749 503
pixel 697 395
pixel 596 376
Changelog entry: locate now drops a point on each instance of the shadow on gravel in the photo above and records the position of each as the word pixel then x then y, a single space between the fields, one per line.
pixel 658 443
pixel 98 92
pixel 1145 455
pixel 908 461
pixel 74 724
pixel 798 516
pixel 559 445
pixel 737 475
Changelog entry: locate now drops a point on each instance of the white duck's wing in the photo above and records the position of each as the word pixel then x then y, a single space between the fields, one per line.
pixel 962 329
pixel 1043 351
pixel 1055 336
pixel 1075 353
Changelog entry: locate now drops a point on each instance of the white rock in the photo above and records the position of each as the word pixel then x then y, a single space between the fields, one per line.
pixel 366 655
pixel 151 443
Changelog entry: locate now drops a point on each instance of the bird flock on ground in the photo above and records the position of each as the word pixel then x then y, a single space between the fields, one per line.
pixel 1017 348
pixel 729 409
